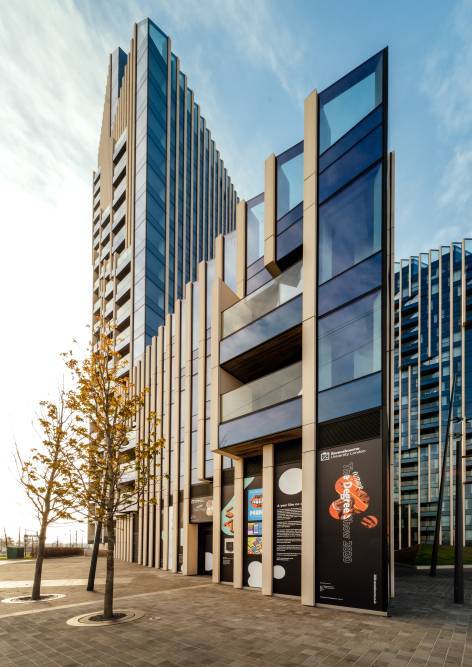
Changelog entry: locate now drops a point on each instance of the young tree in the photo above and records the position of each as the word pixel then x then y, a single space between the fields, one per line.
pixel 106 406
pixel 46 474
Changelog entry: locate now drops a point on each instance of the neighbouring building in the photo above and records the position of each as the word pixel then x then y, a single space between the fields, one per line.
pixel 433 339
pixel 161 193
pixel 262 330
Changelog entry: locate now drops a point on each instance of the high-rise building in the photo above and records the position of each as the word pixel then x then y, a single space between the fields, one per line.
pixel 266 349
pixel 433 343
pixel 161 192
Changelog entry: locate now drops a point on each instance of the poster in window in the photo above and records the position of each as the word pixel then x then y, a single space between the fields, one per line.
pixel 287 528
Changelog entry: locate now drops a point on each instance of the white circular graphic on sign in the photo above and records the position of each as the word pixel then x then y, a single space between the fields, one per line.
pixel 290 481
pixel 255 574
pixel 279 572
pixel 208 561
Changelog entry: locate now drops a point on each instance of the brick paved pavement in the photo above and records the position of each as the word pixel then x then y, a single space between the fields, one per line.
pixel 189 621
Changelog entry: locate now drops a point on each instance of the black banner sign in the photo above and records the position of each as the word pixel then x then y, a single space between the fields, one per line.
pixel 350 569
pixel 287 528
pixel 227 529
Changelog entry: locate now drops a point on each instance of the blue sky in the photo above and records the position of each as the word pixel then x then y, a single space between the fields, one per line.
pixel 251 64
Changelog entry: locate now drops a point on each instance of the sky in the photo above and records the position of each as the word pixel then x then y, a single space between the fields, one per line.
pixel 251 64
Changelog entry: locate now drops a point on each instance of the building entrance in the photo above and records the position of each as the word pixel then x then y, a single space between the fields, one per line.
pixel 205 548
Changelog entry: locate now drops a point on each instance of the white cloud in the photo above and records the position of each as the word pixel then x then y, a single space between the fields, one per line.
pixel 447 85
pixel 51 87
pixel 457 179
pixel 53 60
pixel 447 75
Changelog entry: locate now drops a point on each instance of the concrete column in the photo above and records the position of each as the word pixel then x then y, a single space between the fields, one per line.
pixel 217 470
pixel 202 270
pixel 190 538
pixel 144 429
pixel 129 537
pixel 270 215
pixel 267 519
pixel 159 471
pixel 238 524
pixel 309 349
pixel 241 248
pixel 176 436
pixel 167 436
pixel 139 432
pixel 152 483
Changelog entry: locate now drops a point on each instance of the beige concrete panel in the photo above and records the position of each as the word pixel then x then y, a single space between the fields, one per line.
pixel 105 149
pixel 227 297
pixel 309 261
pixel 140 435
pixel 310 135
pixel 152 485
pixel 238 524
pixel 189 538
pixel 145 431
pixel 219 258
pixel 130 538
pixel 202 271
pixel 268 519
pixel 222 297
pixel 309 190
pixel 159 472
pixel 118 537
pixel 228 382
pixel 215 358
pixel 176 434
pixel 167 436
pixel 309 370
pixel 217 468
pixel 391 360
pixel 308 581
pixel 241 248
pixel 127 551
pixel 270 215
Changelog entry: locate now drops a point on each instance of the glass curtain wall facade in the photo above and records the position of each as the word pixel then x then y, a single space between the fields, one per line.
pixel 273 367
pixel 161 193
pixel 432 347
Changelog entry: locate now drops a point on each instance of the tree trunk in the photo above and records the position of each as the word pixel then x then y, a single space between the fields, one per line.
pixel 38 570
pixel 93 562
pixel 108 599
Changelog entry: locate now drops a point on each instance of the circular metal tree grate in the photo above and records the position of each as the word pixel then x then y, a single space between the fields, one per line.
pixel 23 599
pixel 95 619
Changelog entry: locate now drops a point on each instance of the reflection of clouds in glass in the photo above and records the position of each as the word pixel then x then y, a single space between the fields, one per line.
pixel 279 572
pixel 290 481
pixel 255 574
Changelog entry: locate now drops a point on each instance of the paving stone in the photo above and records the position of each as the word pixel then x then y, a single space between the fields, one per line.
pixel 190 621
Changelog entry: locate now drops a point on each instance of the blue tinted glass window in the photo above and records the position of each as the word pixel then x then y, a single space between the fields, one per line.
pixel 159 39
pixel 350 225
pixel 289 240
pixel 289 180
pixel 351 138
pixel 352 163
pixel 255 230
pixel 346 102
pixel 355 282
pixel 349 342
pixel 362 394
